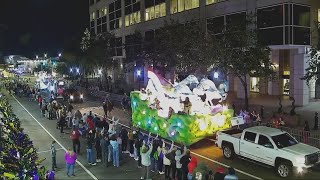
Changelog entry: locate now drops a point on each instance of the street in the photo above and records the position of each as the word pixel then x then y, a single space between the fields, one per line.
pixel 43 131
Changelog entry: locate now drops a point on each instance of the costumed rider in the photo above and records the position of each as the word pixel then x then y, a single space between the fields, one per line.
pixel 187 105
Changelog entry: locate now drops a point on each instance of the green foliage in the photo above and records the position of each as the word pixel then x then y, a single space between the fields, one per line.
pixel 183 46
pixel 201 168
pixel 240 54
pixel 61 68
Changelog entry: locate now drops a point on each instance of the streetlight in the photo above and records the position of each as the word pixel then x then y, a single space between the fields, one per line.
pixel 216 75
pixel 78 70
pixel 45 55
pixel 70 70
pixel 37 56
pixel 60 54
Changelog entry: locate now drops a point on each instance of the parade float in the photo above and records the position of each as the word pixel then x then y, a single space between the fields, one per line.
pixel 184 112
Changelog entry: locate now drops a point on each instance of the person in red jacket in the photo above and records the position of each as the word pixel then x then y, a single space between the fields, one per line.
pixel 191 166
pixel 75 137
pixel 90 123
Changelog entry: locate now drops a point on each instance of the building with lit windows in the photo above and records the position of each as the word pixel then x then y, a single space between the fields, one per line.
pixel 287 26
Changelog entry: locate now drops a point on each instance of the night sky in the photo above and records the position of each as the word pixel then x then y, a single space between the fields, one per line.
pixel 30 27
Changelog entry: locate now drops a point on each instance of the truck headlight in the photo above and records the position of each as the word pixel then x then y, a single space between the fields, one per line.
pixel 71 97
pixel 300 160
pixel 81 96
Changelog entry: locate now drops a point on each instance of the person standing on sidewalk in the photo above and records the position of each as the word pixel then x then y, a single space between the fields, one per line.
pixel 105 148
pixel 115 150
pixel 90 143
pixel 166 160
pixel 97 146
pixel 178 163
pixel 53 153
pixel 185 160
pixel 75 137
pixel 70 158
pixel 131 142
pixel 145 159
pixel 124 137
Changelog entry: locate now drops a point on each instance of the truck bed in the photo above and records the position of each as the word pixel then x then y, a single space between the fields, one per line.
pixel 234 132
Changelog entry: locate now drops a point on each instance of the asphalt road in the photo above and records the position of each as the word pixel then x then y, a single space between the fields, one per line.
pixel 43 131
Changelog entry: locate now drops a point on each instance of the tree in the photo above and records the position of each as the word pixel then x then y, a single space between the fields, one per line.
pixel 240 54
pixel 182 46
pixel 312 71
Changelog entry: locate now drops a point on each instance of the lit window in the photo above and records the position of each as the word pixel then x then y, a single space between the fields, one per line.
pixel 155 9
pixel 213 1
pixel 132 12
pixel 115 15
pixel 182 5
pixel 103 11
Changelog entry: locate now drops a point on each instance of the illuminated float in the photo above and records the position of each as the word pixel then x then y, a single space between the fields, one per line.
pixel 163 108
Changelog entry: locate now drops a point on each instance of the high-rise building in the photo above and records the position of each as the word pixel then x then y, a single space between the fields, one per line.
pixel 287 26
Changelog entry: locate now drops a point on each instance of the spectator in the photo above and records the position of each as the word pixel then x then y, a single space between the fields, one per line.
pixel 62 122
pixel 131 142
pixel 75 122
pixel 191 166
pixel 159 157
pixel 231 174
pixel 145 159
pixel 154 156
pixel 75 137
pixel 166 160
pixel 184 162
pixel 115 150
pixel 90 143
pixel 178 163
pixel 105 124
pixel 124 137
pixel 70 158
pixel 53 153
pixel 219 175
pixel 105 148
pixel 97 146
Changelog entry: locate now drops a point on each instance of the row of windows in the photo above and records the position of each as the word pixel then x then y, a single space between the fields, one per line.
pixel 213 1
pixel 132 18
pixel 156 11
pixel 182 5
pixel 115 15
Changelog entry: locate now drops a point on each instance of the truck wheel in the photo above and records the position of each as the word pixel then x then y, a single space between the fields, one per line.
pixel 284 169
pixel 228 152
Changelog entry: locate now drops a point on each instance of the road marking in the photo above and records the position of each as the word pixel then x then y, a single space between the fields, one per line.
pixel 39 152
pixel 78 162
pixel 216 162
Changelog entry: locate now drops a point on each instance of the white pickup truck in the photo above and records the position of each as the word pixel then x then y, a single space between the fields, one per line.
pixel 269 146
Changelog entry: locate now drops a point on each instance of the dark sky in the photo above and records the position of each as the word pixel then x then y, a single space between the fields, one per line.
pixel 37 26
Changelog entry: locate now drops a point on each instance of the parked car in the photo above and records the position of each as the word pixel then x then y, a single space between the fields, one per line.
pixel 73 96
pixel 269 146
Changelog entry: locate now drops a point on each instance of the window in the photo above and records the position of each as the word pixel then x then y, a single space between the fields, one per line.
pixel 237 20
pixel 284 140
pixel 149 35
pixel 270 17
pixel 155 9
pixel 103 11
pixel 132 12
pixel 115 15
pixel 271 36
pixel 301 35
pixel 250 136
pixel 116 43
pixel 133 45
pixel 181 5
pixel 301 15
pixel 213 1
pixel 215 25
pixel 92 16
pixel 264 141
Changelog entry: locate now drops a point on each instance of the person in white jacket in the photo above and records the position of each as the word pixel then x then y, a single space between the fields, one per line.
pixel 178 164
pixel 166 161
pixel 145 159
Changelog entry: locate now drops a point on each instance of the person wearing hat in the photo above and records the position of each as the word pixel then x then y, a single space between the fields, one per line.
pixel 219 175
pixel 145 159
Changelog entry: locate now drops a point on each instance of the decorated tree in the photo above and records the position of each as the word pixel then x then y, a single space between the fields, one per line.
pixel 18 157
pixel 240 54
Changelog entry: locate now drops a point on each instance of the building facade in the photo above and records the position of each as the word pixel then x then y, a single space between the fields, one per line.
pixel 287 26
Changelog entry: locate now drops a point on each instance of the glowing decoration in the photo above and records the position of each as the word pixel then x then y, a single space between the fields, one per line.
pixel 179 124
pixel 216 75
pixel 159 110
